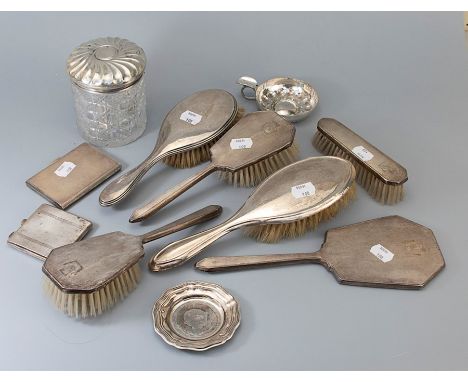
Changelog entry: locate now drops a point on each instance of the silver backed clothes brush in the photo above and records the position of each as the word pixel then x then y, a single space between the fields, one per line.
pixel 88 277
pixel 288 203
pixel 256 146
pixel 185 137
pixel 380 175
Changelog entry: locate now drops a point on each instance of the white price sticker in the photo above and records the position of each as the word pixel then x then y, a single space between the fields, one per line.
pixel 382 253
pixel 64 169
pixel 241 143
pixel 363 153
pixel 191 117
pixel 303 190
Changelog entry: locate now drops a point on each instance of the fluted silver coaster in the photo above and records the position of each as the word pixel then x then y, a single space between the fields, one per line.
pixel 196 316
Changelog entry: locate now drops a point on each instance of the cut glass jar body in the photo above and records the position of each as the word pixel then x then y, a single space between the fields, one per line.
pixel 107 76
pixel 111 119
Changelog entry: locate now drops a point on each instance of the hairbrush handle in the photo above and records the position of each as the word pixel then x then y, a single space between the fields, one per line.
pixel 119 188
pixel 180 251
pixel 197 217
pixel 156 204
pixel 232 263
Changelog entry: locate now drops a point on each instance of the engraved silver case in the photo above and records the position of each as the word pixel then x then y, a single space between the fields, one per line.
pixel 108 85
pixel 46 229
pixel 196 316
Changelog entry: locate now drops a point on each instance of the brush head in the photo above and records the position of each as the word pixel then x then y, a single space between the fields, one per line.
pixel 272 233
pixel 381 176
pixel 379 190
pixel 254 174
pixel 91 304
pixel 258 145
pixel 194 157
pixel 88 277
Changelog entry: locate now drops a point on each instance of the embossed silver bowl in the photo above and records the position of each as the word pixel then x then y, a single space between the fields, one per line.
pixel 196 316
pixel 291 98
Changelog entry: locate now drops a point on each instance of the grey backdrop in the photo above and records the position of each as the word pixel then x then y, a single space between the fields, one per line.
pixel 400 80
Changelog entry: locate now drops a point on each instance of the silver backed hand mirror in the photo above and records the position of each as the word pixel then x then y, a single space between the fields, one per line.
pixel 291 98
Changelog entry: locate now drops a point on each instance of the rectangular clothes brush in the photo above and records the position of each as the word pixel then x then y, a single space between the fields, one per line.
pixel 379 174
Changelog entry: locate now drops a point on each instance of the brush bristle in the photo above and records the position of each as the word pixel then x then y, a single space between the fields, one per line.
pixel 377 189
pixel 200 154
pixel 272 233
pixel 82 305
pixel 254 174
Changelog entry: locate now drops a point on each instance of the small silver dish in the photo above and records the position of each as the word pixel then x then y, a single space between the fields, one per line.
pixel 196 316
pixel 291 98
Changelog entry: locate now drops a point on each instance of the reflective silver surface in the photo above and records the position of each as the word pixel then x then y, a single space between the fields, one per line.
pixel 271 134
pixel 106 64
pixel 388 252
pixel 291 98
pixel 108 87
pixel 273 202
pixel 196 316
pixel 218 109
pixel 46 229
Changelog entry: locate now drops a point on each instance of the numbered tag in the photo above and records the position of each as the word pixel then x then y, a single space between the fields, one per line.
pixel 303 190
pixel 191 117
pixel 64 169
pixel 382 253
pixel 241 143
pixel 363 153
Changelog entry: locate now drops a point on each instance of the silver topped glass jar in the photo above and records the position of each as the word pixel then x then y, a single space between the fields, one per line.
pixel 108 86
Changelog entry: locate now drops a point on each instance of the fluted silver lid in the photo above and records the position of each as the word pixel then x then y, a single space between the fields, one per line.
pixel 106 64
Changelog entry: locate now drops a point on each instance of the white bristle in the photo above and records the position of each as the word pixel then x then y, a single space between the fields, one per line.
pixel 190 158
pixel 254 174
pixel 377 189
pixel 272 233
pixel 82 305
pixel 200 154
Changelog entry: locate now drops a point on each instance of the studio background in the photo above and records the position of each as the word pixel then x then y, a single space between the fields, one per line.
pixel 398 79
